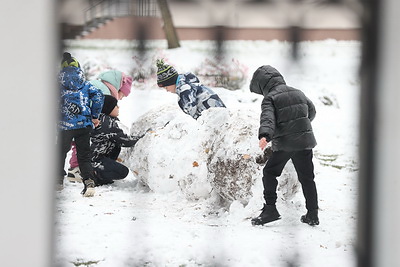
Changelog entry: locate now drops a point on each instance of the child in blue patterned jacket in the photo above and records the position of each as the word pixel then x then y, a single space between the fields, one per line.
pixel 194 97
pixel 110 82
pixel 80 105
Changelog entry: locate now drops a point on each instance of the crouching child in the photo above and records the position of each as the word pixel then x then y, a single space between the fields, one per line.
pixel 194 97
pixel 107 140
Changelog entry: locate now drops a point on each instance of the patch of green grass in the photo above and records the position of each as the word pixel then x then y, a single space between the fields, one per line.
pixel 81 262
pixel 329 161
pixel 327 158
pixel 333 165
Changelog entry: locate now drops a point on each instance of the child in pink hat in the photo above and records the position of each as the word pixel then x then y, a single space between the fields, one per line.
pixel 110 82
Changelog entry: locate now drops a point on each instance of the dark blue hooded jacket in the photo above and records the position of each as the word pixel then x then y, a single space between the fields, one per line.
pixel 195 97
pixel 80 101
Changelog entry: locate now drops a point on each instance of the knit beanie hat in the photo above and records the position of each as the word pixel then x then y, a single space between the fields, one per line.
pixel 166 74
pixel 109 104
pixel 126 84
pixel 69 61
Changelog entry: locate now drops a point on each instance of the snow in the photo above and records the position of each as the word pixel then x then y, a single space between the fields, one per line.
pixel 167 224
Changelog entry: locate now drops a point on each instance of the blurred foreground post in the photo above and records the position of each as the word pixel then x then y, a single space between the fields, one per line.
pixel 378 243
pixel 28 132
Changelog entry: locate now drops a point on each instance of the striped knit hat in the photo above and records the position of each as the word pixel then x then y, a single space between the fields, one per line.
pixel 166 74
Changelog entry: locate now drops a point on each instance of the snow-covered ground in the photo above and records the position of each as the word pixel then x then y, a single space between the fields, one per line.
pixel 126 224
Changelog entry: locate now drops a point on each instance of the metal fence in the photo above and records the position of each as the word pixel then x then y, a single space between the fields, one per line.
pixel 103 10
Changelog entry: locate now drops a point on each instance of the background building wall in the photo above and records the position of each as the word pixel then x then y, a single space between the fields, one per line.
pixel 245 20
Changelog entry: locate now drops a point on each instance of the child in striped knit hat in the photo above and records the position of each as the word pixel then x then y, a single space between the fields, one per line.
pixel 194 97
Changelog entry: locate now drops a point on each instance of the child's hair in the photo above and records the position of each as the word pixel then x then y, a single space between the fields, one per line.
pixel 69 61
pixel 109 104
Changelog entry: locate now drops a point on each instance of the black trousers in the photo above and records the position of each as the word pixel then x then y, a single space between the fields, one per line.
pixel 110 170
pixel 302 161
pixel 83 152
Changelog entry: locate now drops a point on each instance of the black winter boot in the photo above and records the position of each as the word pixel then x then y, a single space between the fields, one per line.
pixel 269 214
pixel 311 218
pixel 88 190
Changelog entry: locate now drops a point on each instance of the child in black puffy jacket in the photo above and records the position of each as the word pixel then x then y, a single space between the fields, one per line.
pixel 286 115
pixel 107 139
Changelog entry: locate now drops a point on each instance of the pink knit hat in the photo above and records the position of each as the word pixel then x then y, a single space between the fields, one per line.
pixel 126 84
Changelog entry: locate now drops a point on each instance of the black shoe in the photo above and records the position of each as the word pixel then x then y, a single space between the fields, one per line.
pixel 88 189
pixel 102 182
pixel 74 175
pixel 311 218
pixel 269 214
pixel 98 180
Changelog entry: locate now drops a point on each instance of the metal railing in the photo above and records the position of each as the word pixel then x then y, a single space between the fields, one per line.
pixel 104 10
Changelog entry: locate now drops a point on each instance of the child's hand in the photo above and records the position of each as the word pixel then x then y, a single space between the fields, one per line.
pixel 263 143
pixel 96 122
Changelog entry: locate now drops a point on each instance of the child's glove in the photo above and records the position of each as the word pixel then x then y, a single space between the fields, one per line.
pixel 262 159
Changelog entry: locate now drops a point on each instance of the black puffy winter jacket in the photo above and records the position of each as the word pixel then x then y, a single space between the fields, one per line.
pixel 286 113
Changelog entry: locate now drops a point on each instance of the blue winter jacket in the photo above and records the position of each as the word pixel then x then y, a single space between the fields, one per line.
pixel 194 97
pixel 80 101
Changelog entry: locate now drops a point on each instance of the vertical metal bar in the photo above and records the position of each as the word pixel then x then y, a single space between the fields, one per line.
pixel 92 12
pixel 368 72
pixel 386 237
pixel 26 232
